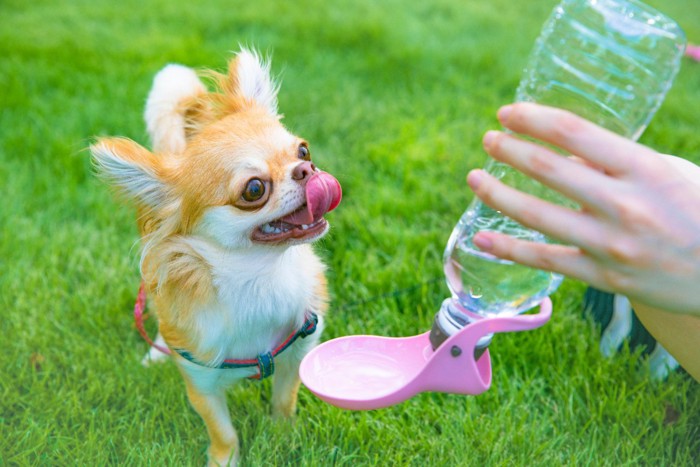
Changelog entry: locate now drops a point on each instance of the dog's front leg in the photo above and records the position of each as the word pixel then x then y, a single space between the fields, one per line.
pixel 285 388
pixel 211 406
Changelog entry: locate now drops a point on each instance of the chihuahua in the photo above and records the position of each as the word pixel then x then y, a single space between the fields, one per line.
pixel 228 204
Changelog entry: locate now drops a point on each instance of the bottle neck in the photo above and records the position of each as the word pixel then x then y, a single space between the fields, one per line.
pixel 452 318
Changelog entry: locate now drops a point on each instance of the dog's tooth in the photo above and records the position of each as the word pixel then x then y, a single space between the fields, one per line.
pixel 304 226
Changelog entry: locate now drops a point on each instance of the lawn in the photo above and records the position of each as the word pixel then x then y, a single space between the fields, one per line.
pixel 394 97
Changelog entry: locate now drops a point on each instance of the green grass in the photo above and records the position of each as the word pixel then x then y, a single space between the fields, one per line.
pixel 394 97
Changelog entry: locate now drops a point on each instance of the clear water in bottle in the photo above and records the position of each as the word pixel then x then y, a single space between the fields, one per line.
pixel 488 285
pixel 610 61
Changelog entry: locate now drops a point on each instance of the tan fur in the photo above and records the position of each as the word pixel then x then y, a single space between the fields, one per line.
pixel 198 264
pixel 174 267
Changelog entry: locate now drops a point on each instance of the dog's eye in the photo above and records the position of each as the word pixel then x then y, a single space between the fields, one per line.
pixel 304 152
pixel 254 190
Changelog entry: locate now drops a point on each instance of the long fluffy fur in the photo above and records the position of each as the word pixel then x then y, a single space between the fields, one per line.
pixel 217 293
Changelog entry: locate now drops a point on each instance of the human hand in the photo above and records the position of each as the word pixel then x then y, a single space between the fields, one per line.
pixel 637 231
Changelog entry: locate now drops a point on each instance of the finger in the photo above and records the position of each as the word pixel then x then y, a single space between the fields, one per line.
pixel 563 129
pixel 575 180
pixel 588 164
pixel 567 260
pixel 555 221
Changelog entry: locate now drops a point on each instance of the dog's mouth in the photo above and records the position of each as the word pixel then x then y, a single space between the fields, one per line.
pixel 279 231
pixel 323 194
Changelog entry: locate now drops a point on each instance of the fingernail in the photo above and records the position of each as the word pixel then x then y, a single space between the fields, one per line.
pixel 474 178
pixel 482 242
pixel 488 138
pixel 504 112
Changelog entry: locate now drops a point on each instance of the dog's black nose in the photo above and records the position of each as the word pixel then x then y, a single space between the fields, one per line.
pixel 303 171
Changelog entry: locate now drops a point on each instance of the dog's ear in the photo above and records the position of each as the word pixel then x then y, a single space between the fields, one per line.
pixel 133 170
pixel 175 109
pixel 250 80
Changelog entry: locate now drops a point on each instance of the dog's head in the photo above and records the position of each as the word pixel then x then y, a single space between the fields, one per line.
pixel 223 166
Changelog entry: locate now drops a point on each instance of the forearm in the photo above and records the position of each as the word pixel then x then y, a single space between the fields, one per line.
pixel 678 333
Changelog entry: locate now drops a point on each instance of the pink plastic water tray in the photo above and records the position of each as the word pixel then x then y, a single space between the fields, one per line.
pixel 372 372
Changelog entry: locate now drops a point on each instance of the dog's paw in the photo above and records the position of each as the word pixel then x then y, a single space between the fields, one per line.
pixel 154 355
pixel 223 458
pixel 228 462
pixel 286 412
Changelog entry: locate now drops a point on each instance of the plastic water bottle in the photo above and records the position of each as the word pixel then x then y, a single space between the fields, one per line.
pixel 609 61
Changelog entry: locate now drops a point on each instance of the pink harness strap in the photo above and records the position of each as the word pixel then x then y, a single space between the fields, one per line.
pixel 139 318
pixel 264 362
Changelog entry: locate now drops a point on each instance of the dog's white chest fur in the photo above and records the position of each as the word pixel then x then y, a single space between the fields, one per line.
pixel 262 295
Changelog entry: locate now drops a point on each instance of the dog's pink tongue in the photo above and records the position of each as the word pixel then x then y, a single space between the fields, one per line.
pixel 323 194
